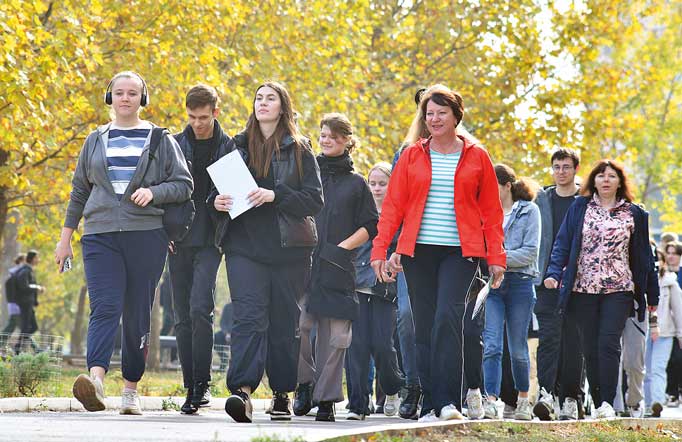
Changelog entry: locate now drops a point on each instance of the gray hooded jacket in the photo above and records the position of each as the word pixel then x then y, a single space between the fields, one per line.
pixel 93 196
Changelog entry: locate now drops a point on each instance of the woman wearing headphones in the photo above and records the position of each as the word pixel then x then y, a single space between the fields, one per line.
pixel 118 188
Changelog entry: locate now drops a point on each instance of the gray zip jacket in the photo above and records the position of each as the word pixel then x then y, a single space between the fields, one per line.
pixel 544 202
pixel 522 239
pixel 669 309
pixel 93 196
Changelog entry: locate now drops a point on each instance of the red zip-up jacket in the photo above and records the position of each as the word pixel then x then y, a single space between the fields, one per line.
pixel 477 203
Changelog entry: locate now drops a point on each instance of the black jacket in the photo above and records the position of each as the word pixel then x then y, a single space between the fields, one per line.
pixel 25 294
pixel 203 225
pixel 348 206
pixel 297 199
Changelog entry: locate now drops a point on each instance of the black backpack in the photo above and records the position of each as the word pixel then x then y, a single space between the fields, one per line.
pixel 177 217
pixel 11 288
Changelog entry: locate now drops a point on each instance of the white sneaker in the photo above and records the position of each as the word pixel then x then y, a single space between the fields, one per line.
pixel 637 411
pixel 392 404
pixel 475 405
pixel 90 392
pixel 544 407
pixel 428 418
pixel 605 411
pixel 130 403
pixel 570 410
pixel 672 402
pixel 450 412
pixel 312 412
pixel 508 412
pixel 353 416
pixel 490 408
pixel 523 410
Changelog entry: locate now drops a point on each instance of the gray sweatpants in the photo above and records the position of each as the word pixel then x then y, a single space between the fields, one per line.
pixel 632 362
pixel 325 370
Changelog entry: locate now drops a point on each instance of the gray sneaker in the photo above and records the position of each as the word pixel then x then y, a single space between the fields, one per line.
pixel 90 392
pixel 490 408
pixel 523 410
pixel 475 405
pixel 570 410
pixel 508 412
pixel 130 403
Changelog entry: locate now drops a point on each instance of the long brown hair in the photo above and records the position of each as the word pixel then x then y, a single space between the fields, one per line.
pixel 623 192
pixel 522 188
pixel 261 149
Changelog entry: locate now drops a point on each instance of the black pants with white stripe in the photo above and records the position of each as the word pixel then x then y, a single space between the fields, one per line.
pixel 443 292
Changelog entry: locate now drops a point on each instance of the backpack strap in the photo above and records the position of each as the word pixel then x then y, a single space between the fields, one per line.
pixel 157 134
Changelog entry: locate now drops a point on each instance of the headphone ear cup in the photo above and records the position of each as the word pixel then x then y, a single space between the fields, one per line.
pixel 143 100
pixel 107 98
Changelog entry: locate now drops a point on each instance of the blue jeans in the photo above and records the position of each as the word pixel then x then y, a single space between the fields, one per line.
pixel 408 346
pixel 510 306
pixel 656 360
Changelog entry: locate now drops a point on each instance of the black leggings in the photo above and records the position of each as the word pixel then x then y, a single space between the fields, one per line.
pixel 439 279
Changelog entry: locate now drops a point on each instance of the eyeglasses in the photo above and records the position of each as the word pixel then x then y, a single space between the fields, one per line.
pixel 557 168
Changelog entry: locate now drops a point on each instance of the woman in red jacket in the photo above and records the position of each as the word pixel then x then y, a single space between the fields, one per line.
pixel 444 193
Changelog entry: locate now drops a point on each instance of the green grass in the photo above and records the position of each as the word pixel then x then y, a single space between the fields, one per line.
pixel 615 431
pixel 162 383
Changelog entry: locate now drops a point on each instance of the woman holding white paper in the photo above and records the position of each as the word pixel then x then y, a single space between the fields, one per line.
pixel 268 250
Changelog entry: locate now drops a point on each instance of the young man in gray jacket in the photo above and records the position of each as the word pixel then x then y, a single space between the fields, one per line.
pixel 554 202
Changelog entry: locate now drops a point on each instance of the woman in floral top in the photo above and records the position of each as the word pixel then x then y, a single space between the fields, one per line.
pixel 604 266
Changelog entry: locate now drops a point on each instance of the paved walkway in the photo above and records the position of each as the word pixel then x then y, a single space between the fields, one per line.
pixel 208 425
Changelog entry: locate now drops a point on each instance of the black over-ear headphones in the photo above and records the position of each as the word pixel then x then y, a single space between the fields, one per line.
pixel 144 99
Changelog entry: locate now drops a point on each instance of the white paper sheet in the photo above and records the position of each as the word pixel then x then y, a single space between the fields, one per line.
pixel 481 297
pixel 231 177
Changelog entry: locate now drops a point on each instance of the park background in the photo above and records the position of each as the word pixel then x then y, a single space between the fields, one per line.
pixel 602 77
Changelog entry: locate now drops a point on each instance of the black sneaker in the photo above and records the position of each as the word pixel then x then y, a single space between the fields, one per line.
pixel 303 399
pixel 239 407
pixel 325 412
pixel 187 407
pixel 410 405
pixel 281 407
pixel 201 396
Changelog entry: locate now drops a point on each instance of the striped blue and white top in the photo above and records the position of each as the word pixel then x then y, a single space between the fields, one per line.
pixel 124 147
pixel 439 224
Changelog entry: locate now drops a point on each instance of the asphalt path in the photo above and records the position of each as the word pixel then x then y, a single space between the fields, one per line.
pixel 208 425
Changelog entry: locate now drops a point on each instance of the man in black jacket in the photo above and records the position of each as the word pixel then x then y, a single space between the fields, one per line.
pixel 194 260
pixel 27 291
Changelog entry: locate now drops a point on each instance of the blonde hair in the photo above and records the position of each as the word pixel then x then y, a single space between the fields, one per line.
pixel 383 167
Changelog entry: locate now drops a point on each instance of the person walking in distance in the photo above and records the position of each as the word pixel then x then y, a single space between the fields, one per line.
pixel 119 189
pixel 267 251
pixel 194 260
pixel 27 290
pixel 13 309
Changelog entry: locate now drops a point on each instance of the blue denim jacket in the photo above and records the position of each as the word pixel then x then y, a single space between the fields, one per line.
pixel 522 239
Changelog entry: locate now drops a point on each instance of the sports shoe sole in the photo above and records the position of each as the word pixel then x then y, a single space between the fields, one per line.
pixel 543 412
pixel 130 411
pixel 85 391
pixel 656 409
pixel 235 407
pixel 279 416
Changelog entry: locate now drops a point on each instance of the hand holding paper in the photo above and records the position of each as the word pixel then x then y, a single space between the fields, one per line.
pixel 233 179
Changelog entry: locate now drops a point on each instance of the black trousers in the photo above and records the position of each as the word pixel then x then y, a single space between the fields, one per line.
pixel 193 273
pixel 600 321
pixel 265 333
pixel 449 345
pixel 373 336
pixel 28 324
pixel 674 370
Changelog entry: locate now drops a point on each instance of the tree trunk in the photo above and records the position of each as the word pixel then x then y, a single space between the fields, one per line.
pixel 154 355
pixel 10 249
pixel 78 325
